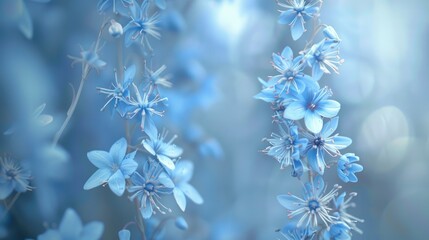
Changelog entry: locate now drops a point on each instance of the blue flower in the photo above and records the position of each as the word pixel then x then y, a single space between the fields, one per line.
pixel 148 187
pixel 71 228
pixel 293 232
pixel 140 26
pixel 155 78
pixel 341 205
pixel 181 223
pixel 120 89
pixel 142 107
pixel 118 6
pixel 324 56
pixel 181 175
pixel 285 145
pixel 347 167
pixel 89 58
pixel 37 119
pixel 13 177
pixel 297 13
pixel 114 167
pixel 163 151
pixel 291 72
pixel 323 142
pixel 312 105
pixel 331 36
pixel 337 231
pixel 314 204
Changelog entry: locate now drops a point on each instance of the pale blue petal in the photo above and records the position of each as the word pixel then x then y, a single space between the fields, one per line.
pixel 124 234
pixel 316 160
pixel 117 183
pixel 146 144
pixel 328 108
pixel 181 223
pixel 295 111
pixel 191 193
pixel 118 150
pixel 278 61
pixel 6 189
pixel 128 167
pixel 341 142
pixel 316 72
pixel 165 180
pixel 148 210
pixel 100 159
pixel 71 225
pixel 287 17
pixel 172 151
pixel 166 161
pixel 356 168
pixel 287 53
pixel 329 128
pixel 101 176
pixel 129 74
pixel 50 235
pixel 297 28
pixel 180 198
pixel 313 121
pixel 288 201
pixel 183 172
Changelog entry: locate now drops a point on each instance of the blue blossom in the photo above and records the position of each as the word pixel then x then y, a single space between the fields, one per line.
pixel 13 177
pixel 141 107
pixel 341 205
pixel 114 167
pixel 293 232
pixel 324 142
pixel 155 78
pixel 140 26
pixel 120 89
pixel 89 58
pixel 148 186
pixel 37 119
pixel 331 36
pixel 297 13
pixel 347 167
pixel 291 75
pixel 312 105
pixel 324 56
pixel 71 228
pixel 337 231
pixel 286 146
pixel 164 152
pixel 181 175
pixel 181 223
pixel 314 204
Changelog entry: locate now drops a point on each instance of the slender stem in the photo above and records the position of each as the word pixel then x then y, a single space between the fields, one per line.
pixel 140 220
pixel 159 227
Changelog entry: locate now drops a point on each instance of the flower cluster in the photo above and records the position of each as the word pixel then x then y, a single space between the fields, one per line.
pixel 307 117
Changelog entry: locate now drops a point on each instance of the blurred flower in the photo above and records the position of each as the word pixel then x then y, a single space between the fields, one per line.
pixel 155 77
pixel 162 4
pixel 341 204
pixel 314 204
pixel 115 29
pixel 71 228
pixel 37 119
pixel 13 177
pixel 118 6
pixel 297 13
pixel 312 105
pixel 285 145
pixel 120 89
pixel 163 151
pixel 90 58
pixel 347 167
pixel 323 142
pixel 337 231
pixel 124 234
pixel 148 187
pixel 140 26
pixel 291 72
pixel 293 232
pixel 331 35
pixel 181 175
pixel 181 223
pixel 114 167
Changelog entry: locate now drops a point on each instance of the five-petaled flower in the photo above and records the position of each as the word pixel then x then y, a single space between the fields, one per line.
pixel 347 167
pixel 13 177
pixel 114 167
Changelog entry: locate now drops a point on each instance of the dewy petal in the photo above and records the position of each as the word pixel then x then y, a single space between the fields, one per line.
pixel 92 231
pixel 341 142
pixel 329 127
pixel 328 108
pixel 71 225
pixel 289 202
pixel 287 16
pixel 297 28
pixel 100 159
pixel 313 121
pixel 166 161
pixel 295 111
pixel 180 198
pixel 99 177
pixel 117 183
pixel 118 150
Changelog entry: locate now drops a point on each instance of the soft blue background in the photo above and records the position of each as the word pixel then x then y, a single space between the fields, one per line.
pixel 383 89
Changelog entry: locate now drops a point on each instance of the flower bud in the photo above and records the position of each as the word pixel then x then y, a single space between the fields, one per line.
pixel 115 29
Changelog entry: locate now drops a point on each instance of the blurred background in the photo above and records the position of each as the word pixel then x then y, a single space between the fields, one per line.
pixel 214 51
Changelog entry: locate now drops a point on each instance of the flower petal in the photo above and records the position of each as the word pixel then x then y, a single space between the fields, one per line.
pixel 117 183
pixel 118 150
pixel 341 142
pixel 297 28
pixel 329 128
pixel 92 231
pixel 180 198
pixel 288 201
pixel 124 234
pixel 100 159
pixel 287 16
pixel 71 225
pixel 191 193
pixel 295 111
pixel 99 177
pixel 313 121
pixel 166 161
pixel 328 108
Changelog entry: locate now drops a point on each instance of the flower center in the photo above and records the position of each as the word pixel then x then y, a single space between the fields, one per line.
pixel 318 142
pixel 150 187
pixel 313 205
pixel 311 106
pixel 11 174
